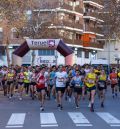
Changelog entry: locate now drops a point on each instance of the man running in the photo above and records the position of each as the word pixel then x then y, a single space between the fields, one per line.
pixel 61 77
pixel 114 82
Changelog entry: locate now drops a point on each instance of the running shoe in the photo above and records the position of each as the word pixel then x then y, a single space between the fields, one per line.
pixel 41 108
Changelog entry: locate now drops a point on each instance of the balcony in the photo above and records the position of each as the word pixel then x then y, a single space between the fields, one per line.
pixel 71 24
pixel 72 41
pixel 79 9
pixel 94 45
pixel 95 1
pixel 93 14
pixel 54 5
pixel 94 30
pixel 66 6
pixel 97 45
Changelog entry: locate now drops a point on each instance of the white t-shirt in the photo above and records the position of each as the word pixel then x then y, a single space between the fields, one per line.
pixel 60 79
pixel 46 74
pixel 4 72
pixel 87 71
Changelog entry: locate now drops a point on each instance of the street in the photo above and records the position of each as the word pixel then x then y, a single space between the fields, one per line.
pixel 26 114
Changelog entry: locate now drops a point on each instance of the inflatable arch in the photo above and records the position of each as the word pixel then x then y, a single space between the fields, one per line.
pixel 48 44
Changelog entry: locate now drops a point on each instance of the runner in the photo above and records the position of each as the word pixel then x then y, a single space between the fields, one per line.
pixel 41 88
pixel 26 81
pixel 82 73
pixel 78 87
pixel 33 84
pixel 61 77
pixel 52 83
pixel 118 79
pixel 114 82
pixel 46 75
pixel 102 78
pixel 4 80
pixel 69 85
pixel 20 78
pixel 87 69
pixel 90 81
pixel 10 82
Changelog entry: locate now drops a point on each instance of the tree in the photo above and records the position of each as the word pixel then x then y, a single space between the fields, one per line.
pixel 38 23
pixel 13 16
pixel 111 26
pixel 111 17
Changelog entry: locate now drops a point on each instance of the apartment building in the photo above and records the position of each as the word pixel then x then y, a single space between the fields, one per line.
pixel 78 24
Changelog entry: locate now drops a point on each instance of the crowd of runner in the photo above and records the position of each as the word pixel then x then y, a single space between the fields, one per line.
pixel 58 82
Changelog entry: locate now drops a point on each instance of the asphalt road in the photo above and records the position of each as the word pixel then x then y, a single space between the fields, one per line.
pixel 26 114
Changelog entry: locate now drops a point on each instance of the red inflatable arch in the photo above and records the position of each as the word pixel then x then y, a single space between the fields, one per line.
pixel 48 44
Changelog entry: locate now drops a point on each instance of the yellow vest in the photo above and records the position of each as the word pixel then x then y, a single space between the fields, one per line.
pixel 91 78
pixel 26 80
pixel 118 74
pixel 102 77
pixel 10 75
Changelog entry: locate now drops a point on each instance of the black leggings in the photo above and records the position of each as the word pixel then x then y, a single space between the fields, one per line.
pixel 26 85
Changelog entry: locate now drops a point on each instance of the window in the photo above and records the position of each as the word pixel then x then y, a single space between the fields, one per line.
pixel 46 52
pixel 93 40
pixel 79 53
pixel 1 35
pixel 2 51
pixel 15 35
pixel 86 54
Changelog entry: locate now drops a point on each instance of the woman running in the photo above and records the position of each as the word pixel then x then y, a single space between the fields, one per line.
pixel 102 78
pixel 90 82
pixel 41 88
pixel 52 83
pixel 69 85
pixel 4 80
pixel 78 87
pixel 10 83
pixel 33 84
pixel 20 78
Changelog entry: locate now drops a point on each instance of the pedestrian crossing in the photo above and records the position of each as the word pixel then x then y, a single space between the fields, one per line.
pixel 17 120
pixel 79 119
pixel 107 117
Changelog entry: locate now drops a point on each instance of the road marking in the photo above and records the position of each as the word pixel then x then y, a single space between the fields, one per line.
pixel 16 120
pixel 84 125
pixel 79 119
pixel 19 126
pixel 108 118
pixel 115 125
pixel 49 125
pixel 48 120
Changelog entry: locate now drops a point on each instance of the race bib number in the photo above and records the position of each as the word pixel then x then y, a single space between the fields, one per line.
pixel 60 79
pixel 91 81
pixel 77 85
pixel 41 81
pixel 114 80
pixel 101 84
